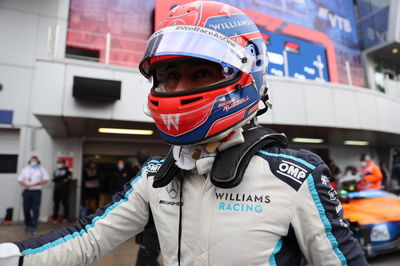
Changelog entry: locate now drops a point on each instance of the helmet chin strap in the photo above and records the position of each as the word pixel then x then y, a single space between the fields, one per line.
pixel 267 105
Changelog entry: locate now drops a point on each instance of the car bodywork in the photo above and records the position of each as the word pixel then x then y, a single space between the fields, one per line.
pixel 374 217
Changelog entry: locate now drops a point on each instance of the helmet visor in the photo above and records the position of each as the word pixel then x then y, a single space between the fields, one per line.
pixel 194 41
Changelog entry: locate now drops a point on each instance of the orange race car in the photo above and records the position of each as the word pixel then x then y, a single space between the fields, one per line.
pixel 374 217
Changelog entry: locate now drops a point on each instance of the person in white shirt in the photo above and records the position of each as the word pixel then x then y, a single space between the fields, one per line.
pixel 32 177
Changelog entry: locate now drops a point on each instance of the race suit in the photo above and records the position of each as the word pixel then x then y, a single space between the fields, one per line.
pixel 283 207
pixel 371 177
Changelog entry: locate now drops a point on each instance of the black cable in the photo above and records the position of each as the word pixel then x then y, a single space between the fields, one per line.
pixel 180 219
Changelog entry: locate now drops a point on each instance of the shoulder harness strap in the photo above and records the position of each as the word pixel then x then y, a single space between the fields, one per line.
pixel 231 163
pixel 167 171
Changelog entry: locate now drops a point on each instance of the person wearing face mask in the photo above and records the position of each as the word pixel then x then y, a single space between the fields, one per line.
pixel 371 174
pixel 61 178
pixel 32 177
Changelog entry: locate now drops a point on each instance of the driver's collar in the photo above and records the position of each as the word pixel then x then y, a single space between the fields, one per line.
pixel 200 158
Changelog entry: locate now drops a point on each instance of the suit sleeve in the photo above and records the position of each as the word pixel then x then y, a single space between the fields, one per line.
pixel 322 234
pixel 93 236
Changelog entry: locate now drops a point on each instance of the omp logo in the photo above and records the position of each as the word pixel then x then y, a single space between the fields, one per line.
pixel 293 171
pixel 171 119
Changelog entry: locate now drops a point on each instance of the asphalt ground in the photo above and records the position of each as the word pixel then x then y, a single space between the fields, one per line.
pixel 126 253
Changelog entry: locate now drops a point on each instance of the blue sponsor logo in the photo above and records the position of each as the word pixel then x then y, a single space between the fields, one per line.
pixel 240 207
pixel 236 24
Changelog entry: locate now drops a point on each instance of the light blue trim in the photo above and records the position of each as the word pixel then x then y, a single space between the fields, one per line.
pixel 325 220
pixel 311 166
pixel 88 226
pixel 277 248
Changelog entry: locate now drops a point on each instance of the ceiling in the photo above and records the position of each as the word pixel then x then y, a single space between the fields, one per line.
pixel 385 51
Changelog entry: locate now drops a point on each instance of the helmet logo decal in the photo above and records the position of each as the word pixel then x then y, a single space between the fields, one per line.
pixel 230 24
pixel 232 103
pixel 171 119
pixel 176 22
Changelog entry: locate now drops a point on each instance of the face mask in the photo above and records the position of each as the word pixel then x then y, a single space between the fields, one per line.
pixel 120 166
pixel 59 166
pixel 34 163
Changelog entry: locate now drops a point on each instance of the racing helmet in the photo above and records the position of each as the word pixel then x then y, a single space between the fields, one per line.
pixel 205 32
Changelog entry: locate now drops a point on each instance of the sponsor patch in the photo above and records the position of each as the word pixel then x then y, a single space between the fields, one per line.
pixel 153 167
pixel 235 202
pixel 325 180
pixel 172 189
pixel 333 195
pixel 292 170
pixel 172 203
pixel 380 233
pixel 338 208
pixel 343 223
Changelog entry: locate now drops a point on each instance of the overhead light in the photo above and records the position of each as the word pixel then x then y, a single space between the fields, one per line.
pixel 146 132
pixel 395 50
pixel 356 142
pixel 307 140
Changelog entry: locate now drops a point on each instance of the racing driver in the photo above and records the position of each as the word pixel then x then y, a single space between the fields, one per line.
pixel 229 192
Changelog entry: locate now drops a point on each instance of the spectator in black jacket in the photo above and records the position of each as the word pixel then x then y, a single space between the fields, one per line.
pixel 61 177
pixel 120 176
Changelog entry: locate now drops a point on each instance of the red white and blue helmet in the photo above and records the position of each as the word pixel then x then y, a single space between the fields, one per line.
pixel 219 33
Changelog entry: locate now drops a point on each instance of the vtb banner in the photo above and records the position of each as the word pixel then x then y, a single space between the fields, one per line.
pixel 306 39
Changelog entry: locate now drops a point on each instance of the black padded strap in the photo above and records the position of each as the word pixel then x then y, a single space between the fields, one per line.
pixel 230 164
pixel 167 171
